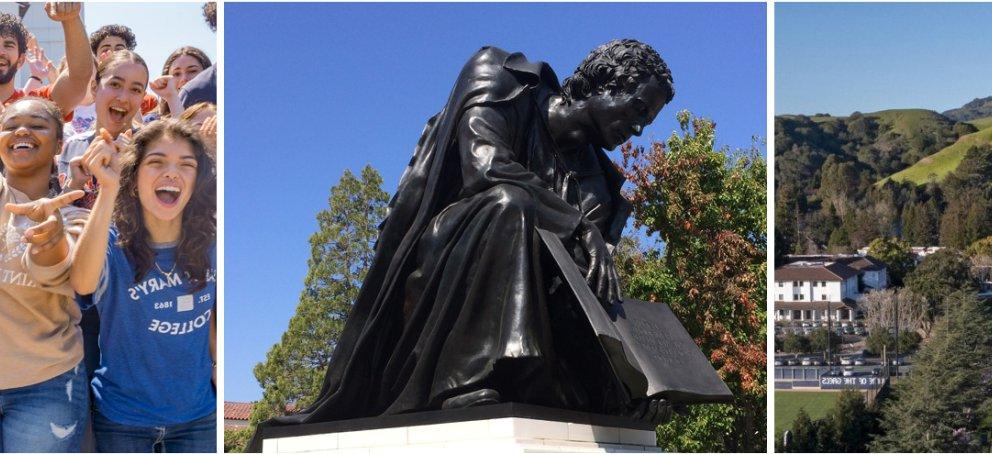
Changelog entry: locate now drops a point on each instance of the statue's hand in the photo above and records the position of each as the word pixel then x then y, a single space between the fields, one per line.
pixel 602 275
pixel 656 410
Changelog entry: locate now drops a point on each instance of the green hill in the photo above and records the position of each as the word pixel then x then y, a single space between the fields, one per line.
pixel 946 160
pixel 981 123
pixel 909 122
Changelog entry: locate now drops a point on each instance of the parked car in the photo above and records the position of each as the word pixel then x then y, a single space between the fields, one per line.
pixel 859 361
pixel 792 362
pixel 848 372
pixel 778 362
pixel 846 361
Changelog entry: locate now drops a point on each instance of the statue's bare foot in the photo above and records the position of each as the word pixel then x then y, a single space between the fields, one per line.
pixel 656 410
pixel 475 398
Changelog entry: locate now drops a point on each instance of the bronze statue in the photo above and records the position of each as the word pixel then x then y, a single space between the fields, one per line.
pixel 463 304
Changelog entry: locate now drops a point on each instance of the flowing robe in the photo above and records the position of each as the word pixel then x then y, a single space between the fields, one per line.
pixel 458 296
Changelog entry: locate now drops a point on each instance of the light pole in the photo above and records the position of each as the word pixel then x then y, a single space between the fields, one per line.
pixel 896 299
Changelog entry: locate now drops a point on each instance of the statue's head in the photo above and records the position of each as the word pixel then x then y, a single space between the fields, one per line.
pixel 620 87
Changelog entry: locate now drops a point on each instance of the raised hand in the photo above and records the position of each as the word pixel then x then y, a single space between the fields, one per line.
pixel 50 231
pixel 37 63
pixel 63 11
pixel 208 130
pixel 602 275
pixel 102 159
pixel 165 86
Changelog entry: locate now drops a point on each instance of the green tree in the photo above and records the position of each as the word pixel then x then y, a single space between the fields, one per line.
pixel 236 440
pixel 850 423
pixel 802 435
pixel 794 343
pixel 896 254
pixel 818 340
pixel 944 404
pixel 340 253
pixel 937 276
pixel 982 247
pixel 708 206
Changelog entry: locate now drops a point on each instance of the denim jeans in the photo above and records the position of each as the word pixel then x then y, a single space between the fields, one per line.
pixel 46 417
pixel 194 436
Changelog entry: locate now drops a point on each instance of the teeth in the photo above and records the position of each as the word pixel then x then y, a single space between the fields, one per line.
pixel 169 189
pixel 23 146
pixel 118 109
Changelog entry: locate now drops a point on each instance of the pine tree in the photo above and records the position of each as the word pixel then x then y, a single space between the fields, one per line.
pixel 945 403
pixel 850 423
pixel 340 253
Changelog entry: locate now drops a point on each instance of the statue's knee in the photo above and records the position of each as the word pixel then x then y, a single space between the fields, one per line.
pixel 514 200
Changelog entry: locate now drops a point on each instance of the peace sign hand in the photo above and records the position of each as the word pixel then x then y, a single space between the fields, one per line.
pixel 102 158
pixel 50 232
pixel 37 63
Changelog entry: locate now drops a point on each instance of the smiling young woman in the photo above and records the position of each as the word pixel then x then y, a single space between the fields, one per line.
pixel 160 194
pixel 42 382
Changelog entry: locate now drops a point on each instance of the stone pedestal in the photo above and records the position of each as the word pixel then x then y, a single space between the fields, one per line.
pixel 504 428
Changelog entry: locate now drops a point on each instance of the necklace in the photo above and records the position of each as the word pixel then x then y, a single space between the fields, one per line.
pixel 168 274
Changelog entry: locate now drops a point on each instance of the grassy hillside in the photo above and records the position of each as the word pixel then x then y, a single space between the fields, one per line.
pixel 946 160
pixel 981 123
pixel 909 122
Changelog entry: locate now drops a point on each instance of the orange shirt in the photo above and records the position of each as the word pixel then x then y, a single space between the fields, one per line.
pixel 148 103
pixel 43 92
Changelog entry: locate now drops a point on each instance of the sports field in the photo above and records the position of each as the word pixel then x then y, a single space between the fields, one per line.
pixel 788 403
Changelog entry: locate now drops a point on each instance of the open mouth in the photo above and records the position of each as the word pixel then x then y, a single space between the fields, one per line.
pixel 168 195
pixel 118 114
pixel 24 146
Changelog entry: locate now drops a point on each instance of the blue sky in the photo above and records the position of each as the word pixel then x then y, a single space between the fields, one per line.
pixel 844 57
pixel 159 28
pixel 314 89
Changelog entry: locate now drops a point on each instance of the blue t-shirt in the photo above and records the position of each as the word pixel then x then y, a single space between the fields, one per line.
pixel 155 365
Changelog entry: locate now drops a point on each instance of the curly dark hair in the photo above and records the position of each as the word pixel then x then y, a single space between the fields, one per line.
pixel 199 227
pixel 617 66
pixel 11 25
pixel 198 54
pixel 210 14
pixel 120 31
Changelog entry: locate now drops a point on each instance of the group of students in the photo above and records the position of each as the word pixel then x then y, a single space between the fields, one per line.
pixel 108 247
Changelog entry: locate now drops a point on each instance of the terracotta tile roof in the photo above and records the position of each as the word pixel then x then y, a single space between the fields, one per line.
pixel 237 410
pixel 241 411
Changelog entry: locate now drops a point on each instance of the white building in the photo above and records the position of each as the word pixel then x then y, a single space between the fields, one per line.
pixel 809 286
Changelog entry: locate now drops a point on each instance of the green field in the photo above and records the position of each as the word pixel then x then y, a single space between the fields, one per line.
pixel 944 161
pixel 788 403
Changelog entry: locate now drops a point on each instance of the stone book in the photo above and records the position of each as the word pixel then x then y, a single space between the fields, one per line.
pixel 651 352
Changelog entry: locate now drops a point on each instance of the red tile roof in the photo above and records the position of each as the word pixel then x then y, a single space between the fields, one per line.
pixel 237 410
pixel 241 411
